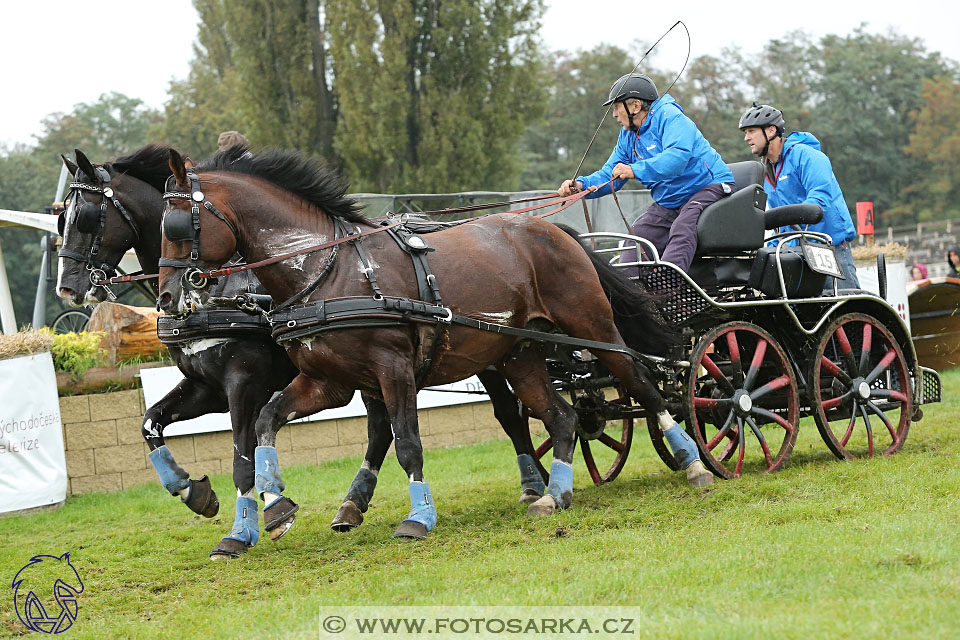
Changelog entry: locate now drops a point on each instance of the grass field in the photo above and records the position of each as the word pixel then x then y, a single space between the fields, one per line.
pixel 822 549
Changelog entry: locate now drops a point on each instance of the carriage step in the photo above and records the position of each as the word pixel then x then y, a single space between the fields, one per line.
pixel 931 388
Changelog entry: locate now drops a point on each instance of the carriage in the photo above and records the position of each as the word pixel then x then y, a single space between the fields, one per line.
pixel 762 347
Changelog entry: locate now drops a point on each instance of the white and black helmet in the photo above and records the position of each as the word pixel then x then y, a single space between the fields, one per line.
pixel 632 85
pixel 762 115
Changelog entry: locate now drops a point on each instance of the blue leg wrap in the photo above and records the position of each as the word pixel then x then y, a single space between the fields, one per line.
pixel 172 475
pixel 561 483
pixel 268 471
pixel 361 489
pixel 422 509
pixel 530 477
pixel 683 446
pixel 246 526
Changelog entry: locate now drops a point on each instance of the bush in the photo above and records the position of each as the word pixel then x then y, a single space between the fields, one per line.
pixel 74 353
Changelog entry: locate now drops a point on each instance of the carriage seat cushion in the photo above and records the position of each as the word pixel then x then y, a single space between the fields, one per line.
pixel 732 224
pixel 718 272
pixel 801 281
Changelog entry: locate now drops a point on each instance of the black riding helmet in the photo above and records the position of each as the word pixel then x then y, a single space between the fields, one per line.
pixel 763 115
pixel 633 85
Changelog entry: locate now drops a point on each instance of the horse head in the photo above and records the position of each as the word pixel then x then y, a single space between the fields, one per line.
pixel 107 207
pixel 199 235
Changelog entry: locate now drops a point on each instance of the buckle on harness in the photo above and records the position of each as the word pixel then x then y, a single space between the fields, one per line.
pixel 448 318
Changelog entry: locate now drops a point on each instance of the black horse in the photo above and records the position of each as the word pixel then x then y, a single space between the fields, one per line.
pixel 117 206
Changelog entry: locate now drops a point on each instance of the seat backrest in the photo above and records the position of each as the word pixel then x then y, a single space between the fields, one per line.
pixel 746 173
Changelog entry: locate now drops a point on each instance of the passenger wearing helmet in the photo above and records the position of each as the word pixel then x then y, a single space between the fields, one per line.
pixel 798 172
pixel 662 148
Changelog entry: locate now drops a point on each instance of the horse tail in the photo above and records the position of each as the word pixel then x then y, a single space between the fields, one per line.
pixel 635 313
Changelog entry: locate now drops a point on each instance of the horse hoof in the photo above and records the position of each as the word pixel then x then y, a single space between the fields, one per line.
pixel 698 475
pixel 529 496
pixel 203 499
pixel 228 549
pixel 545 506
pixel 348 517
pixel 411 529
pixel 279 517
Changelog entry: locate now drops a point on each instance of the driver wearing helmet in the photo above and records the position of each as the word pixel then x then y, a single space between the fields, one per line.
pixel 798 172
pixel 662 148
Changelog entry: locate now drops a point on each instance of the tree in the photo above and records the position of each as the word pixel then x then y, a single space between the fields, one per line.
pixel 934 191
pixel 434 96
pixel 866 93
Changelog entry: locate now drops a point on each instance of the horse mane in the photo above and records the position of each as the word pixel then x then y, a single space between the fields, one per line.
pixel 293 171
pixel 150 163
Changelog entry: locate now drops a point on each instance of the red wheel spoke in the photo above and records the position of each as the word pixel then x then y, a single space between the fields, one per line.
pixel 833 403
pixel 770 415
pixel 886 422
pixel 773 385
pixel 853 422
pixel 716 374
pixel 883 364
pixel 734 347
pixel 866 422
pixel 758 355
pixel 763 442
pixel 720 434
pixel 846 350
pixel 588 459
pixel 743 445
pixel 892 394
pixel 834 370
pixel 610 442
pixel 865 347
pixel 545 446
pixel 708 403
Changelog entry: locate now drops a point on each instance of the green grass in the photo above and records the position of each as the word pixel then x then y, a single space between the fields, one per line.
pixel 824 548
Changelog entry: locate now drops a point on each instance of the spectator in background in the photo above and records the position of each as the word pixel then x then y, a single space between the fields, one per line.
pixel 953 262
pixel 229 139
pixel 918 272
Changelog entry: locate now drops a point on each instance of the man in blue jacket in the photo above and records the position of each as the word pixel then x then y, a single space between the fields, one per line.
pixel 662 148
pixel 797 172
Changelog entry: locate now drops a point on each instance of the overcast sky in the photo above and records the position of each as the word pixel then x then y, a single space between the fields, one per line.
pixel 58 53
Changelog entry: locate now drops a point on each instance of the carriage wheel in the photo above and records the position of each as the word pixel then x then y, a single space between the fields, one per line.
pixel 741 383
pixel 859 373
pixel 604 445
pixel 70 320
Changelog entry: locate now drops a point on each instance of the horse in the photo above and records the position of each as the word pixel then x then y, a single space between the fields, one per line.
pixel 233 371
pixel 385 343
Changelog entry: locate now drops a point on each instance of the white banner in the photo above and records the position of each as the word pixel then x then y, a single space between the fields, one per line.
pixel 157 382
pixel 33 468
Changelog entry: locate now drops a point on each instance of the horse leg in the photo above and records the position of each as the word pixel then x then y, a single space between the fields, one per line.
pixel 303 396
pixel 400 397
pixel 640 388
pixel 359 494
pixel 508 411
pixel 527 373
pixel 247 396
pixel 189 399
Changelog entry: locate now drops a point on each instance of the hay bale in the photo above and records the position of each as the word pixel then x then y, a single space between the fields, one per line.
pixel 24 343
pixel 891 250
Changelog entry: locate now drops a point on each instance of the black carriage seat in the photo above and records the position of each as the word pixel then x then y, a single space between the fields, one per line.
pixel 799 279
pixel 730 231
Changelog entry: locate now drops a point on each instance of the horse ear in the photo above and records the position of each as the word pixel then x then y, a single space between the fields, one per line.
pixel 187 162
pixel 177 168
pixel 85 165
pixel 69 164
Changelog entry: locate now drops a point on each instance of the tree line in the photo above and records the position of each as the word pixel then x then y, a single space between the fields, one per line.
pixel 429 96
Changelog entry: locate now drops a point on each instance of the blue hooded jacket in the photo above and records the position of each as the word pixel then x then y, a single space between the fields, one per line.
pixel 668 155
pixel 804 175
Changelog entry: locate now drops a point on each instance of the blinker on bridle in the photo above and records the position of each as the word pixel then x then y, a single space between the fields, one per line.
pixel 92 219
pixel 180 225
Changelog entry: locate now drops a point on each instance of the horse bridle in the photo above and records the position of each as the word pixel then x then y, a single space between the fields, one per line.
pixel 89 220
pixel 179 225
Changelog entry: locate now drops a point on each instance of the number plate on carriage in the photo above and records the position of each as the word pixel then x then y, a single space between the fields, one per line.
pixel 822 259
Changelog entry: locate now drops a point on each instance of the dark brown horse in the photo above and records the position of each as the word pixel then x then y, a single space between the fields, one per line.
pixel 235 371
pixel 509 268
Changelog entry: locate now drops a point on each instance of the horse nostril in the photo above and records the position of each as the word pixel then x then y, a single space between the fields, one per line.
pixel 65 292
pixel 164 301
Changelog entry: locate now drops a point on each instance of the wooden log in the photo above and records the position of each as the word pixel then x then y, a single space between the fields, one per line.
pixel 131 332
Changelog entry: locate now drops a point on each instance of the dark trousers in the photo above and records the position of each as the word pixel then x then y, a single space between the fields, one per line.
pixel 674 231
